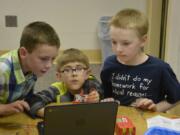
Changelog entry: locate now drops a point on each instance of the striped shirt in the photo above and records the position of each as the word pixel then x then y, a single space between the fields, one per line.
pixel 14 85
pixel 59 93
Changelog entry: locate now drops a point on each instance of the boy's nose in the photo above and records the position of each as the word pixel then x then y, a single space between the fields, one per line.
pixel 49 64
pixel 119 48
pixel 74 72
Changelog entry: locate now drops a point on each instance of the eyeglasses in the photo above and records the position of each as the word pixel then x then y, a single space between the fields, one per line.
pixel 69 71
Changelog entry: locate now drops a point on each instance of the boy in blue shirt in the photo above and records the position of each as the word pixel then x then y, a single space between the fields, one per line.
pixel 131 76
pixel 20 68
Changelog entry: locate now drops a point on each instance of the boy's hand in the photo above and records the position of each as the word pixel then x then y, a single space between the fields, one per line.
pixel 15 107
pixel 108 100
pixel 40 112
pixel 92 97
pixel 145 103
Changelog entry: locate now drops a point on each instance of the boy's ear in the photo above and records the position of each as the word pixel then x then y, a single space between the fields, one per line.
pixel 58 76
pixel 144 40
pixel 88 72
pixel 23 52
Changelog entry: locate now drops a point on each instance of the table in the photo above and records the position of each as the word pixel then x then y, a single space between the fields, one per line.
pixel 22 124
pixel 139 117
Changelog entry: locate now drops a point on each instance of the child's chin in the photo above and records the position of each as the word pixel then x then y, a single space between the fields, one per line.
pixel 39 74
pixel 75 89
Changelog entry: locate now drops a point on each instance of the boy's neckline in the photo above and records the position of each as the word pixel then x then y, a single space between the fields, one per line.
pixel 142 61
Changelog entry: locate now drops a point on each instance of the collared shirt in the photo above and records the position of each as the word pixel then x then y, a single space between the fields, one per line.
pixel 14 85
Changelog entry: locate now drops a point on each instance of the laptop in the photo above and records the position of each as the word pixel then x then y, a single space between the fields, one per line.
pixel 81 119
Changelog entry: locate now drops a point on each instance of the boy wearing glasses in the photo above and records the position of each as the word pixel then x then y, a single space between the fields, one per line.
pixel 74 83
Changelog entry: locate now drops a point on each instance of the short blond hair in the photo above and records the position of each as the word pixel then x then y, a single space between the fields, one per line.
pixel 131 19
pixel 71 55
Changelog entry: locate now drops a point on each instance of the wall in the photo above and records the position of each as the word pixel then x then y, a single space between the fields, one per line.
pixel 173 37
pixel 74 20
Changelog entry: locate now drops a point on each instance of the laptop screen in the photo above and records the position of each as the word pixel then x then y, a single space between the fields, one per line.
pixel 81 119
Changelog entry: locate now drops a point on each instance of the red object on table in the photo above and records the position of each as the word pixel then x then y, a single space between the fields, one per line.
pixel 124 126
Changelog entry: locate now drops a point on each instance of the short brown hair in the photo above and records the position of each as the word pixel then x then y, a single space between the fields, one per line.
pixel 72 55
pixel 131 19
pixel 38 33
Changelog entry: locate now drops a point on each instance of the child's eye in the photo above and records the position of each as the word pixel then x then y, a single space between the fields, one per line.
pixel 53 58
pixel 114 42
pixel 80 68
pixel 44 59
pixel 66 70
pixel 126 43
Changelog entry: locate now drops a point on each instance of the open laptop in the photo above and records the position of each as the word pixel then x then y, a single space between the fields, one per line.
pixel 81 119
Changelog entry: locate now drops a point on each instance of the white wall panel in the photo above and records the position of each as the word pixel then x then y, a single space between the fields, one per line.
pixel 74 20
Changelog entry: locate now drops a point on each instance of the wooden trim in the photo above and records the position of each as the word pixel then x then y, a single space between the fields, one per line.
pixel 3 52
pixel 168 30
pixel 154 17
pixel 93 55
